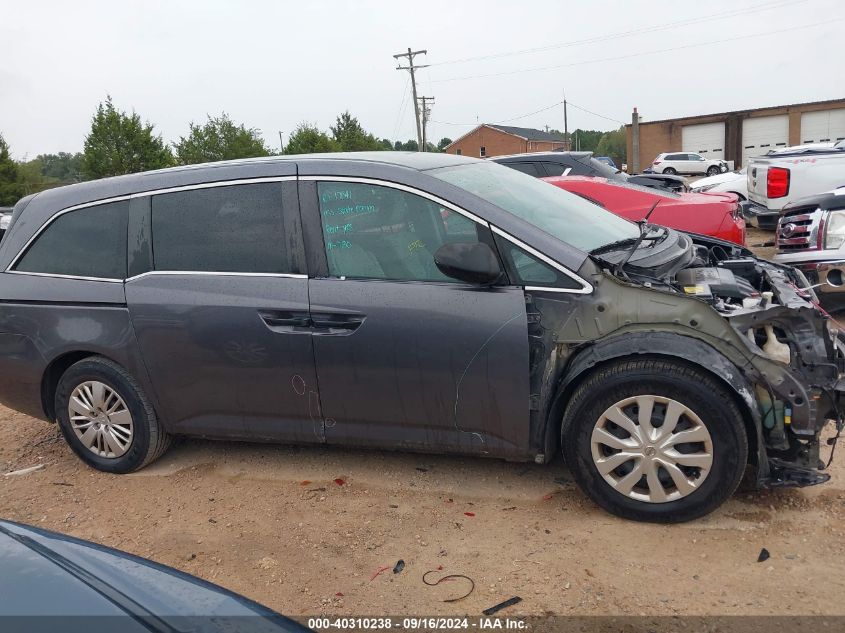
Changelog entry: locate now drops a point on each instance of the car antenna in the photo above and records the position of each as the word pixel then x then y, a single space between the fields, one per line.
pixel 642 224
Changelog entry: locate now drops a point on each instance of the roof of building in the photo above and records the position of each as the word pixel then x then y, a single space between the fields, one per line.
pixel 527 133
pixel 834 102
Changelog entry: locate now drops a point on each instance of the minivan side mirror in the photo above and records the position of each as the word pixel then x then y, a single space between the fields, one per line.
pixel 472 262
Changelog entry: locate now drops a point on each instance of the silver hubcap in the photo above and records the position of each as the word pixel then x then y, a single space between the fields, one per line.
pixel 100 419
pixel 652 448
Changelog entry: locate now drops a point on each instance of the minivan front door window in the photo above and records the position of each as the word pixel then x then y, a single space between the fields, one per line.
pixel 378 232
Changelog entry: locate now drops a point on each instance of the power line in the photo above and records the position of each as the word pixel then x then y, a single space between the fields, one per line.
pixel 523 116
pixel 401 109
pixel 601 116
pixel 622 34
pixel 654 52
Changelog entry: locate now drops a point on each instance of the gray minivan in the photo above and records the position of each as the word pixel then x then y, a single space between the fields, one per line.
pixel 421 302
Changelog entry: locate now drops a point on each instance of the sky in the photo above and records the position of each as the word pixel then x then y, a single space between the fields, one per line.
pixel 274 64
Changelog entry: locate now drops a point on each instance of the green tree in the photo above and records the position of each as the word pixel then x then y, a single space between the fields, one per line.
pixel 351 137
pixel 11 189
pixel 444 142
pixel 64 166
pixel 386 144
pixel 408 146
pixel 121 143
pixel 219 139
pixel 613 144
pixel 309 139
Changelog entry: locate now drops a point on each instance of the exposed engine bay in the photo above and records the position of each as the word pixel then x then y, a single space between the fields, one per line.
pixel 792 356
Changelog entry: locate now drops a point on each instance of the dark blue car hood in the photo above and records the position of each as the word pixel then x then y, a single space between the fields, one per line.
pixel 49 581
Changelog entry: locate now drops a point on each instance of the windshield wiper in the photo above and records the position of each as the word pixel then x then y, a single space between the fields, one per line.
pixel 612 246
pixel 642 224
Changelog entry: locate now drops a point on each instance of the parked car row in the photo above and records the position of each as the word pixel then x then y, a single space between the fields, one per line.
pixel 545 164
pixel 413 301
pixel 715 214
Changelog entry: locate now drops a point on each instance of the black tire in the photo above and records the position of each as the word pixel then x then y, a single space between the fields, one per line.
pixel 690 386
pixel 149 439
pixel 670 170
pixel 713 170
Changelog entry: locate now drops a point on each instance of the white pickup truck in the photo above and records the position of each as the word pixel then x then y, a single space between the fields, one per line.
pixel 786 175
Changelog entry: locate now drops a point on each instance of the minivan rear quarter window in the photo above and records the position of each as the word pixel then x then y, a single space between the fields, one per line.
pixel 236 228
pixel 87 242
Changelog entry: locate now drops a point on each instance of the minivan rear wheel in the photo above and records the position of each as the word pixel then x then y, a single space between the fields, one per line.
pixel 105 417
pixel 655 440
pixel 670 170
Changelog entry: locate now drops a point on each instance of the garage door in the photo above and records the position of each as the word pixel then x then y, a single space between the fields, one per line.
pixel 823 126
pixel 762 134
pixel 707 139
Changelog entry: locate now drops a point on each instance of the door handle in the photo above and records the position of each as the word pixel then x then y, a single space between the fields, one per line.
pixel 336 322
pixel 285 320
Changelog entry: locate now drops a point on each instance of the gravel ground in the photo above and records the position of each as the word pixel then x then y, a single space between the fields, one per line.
pixel 305 529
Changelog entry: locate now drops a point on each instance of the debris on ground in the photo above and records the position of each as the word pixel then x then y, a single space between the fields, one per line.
pixel 502 605
pixel 469 514
pixel 449 577
pixel 399 566
pixel 378 572
pixel 764 555
pixel 25 471
pixel 339 481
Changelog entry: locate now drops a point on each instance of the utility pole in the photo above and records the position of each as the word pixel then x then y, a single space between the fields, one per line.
pixel 411 68
pixel 281 142
pixel 426 111
pixel 634 158
pixel 565 126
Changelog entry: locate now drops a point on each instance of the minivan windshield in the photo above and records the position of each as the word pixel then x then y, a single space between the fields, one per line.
pixel 561 214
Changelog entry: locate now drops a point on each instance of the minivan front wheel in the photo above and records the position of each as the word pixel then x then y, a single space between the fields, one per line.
pixel 655 440
pixel 713 170
pixel 106 418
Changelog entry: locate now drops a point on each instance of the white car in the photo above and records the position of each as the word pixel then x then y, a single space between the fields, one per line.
pixel 687 163
pixel 729 182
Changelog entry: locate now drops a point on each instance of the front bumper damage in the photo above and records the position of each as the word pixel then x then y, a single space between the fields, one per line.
pixel 794 400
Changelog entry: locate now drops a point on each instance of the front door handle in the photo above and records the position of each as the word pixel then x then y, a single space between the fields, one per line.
pixel 336 322
pixel 285 320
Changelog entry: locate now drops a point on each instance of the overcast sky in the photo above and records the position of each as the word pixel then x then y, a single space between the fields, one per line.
pixel 273 64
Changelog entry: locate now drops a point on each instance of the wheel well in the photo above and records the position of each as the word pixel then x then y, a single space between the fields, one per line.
pixel 565 393
pixel 52 375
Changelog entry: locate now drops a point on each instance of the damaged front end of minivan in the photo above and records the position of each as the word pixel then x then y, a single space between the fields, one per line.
pixel 753 324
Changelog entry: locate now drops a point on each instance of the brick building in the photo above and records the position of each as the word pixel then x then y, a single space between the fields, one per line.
pixel 498 140
pixel 739 135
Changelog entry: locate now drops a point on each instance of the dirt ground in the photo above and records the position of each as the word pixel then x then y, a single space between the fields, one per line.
pixel 304 530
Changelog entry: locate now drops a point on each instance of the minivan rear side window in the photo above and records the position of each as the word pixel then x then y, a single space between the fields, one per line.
pixel 87 242
pixel 235 228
